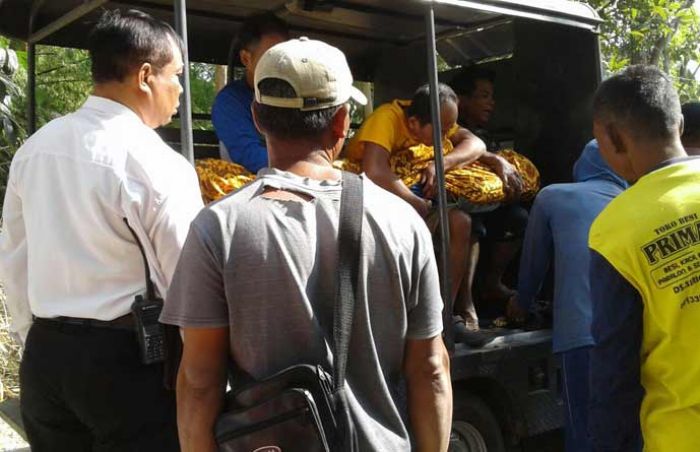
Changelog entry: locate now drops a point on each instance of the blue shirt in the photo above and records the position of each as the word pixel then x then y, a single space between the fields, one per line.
pixel 616 359
pixel 557 231
pixel 233 123
pixel 616 390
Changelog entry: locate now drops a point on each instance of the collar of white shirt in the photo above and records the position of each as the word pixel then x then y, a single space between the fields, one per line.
pixel 111 107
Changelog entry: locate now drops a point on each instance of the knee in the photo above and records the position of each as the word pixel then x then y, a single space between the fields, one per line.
pixel 460 224
pixel 518 221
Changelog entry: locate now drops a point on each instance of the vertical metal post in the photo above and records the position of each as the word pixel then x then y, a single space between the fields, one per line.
pixel 31 88
pixel 600 73
pixel 186 148
pixel 440 173
pixel 31 68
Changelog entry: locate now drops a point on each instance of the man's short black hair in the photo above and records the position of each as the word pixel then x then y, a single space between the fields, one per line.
pixel 121 42
pixel 420 104
pixel 642 100
pixel 464 83
pixel 252 31
pixel 691 122
pixel 290 123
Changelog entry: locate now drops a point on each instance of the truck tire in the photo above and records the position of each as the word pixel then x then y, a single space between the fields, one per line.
pixel 474 426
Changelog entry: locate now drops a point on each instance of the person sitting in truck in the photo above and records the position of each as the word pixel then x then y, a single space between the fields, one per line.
pixel 645 256
pixel 557 234
pixel 500 230
pixel 401 124
pixel 230 115
pixel 691 128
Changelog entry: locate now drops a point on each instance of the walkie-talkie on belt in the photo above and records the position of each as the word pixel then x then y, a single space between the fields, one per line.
pixel 146 311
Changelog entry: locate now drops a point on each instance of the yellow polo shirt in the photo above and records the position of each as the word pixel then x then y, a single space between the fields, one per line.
pixel 386 126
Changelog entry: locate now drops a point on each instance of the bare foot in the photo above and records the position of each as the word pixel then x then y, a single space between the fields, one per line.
pixel 469 322
pixel 498 293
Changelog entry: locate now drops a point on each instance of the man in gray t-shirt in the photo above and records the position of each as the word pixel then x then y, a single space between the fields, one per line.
pixel 255 281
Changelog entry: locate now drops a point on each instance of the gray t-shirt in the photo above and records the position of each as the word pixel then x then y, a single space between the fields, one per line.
pixel 266 269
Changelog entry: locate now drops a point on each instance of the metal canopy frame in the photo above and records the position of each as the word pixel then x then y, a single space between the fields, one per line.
pixel 68 18
pixel 445 285
pixel 186 144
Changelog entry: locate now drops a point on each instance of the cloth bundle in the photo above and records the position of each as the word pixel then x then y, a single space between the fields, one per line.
pixel 475 183
pixel 217 178
pixel 479 185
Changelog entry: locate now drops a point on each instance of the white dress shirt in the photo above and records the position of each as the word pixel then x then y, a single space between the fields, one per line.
pixel 65 249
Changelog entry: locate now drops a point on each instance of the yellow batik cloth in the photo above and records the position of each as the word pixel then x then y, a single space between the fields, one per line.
pixel 217 178
pixel 475 183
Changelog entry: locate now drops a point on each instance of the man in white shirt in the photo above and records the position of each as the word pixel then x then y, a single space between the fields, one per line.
pixel 70 264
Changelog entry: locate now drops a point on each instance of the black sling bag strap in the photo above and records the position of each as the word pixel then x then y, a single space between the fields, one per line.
pixel 303 407
pixel 349 246
pixel 157 342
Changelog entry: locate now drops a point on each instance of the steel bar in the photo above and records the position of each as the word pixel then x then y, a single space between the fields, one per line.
pixel 31 69
pixel 66 19
pixel 31 88
pixel 186 146
pixel 440 175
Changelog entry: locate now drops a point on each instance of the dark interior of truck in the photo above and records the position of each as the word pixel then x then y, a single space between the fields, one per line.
pixel 544 56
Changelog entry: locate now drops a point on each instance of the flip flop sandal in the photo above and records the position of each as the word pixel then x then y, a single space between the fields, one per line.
pixel 471 325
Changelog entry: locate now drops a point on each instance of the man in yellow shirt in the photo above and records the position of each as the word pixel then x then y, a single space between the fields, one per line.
pixel 402 124
pixel 645 273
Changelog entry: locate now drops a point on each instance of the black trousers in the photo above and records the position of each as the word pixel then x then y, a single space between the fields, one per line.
pixel 85 389
pixel 508 222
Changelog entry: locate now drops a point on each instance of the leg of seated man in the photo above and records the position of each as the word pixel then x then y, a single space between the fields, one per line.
pixel 459 256
pixel 505 228
pixel 465 296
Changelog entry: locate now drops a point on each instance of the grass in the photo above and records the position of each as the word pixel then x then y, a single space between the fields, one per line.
pixel 9 355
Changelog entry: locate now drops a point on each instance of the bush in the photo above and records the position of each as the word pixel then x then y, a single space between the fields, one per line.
pixel 11 135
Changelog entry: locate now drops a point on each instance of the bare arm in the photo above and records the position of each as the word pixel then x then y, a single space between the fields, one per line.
pixel 512 182
pixel 376 165
pixel 468 148
pixel 427 370
pixel 201 382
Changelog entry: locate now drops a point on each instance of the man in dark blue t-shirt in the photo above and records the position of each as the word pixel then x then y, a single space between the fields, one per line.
pixel 231 116
pixel 557 236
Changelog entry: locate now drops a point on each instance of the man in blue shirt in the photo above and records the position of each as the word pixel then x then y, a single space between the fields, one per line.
pixel 691 128
pixel 560 220
pixel 231 115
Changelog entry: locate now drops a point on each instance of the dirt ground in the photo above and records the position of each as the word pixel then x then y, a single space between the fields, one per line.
pixel 9 382
pixel 9 355
pixel 10 440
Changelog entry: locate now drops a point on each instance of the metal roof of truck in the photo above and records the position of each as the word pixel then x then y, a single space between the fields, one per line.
pixel 354 25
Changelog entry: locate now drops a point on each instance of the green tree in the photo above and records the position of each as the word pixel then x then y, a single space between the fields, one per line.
pixel 63 81
pixel 658 32
pixel 11 132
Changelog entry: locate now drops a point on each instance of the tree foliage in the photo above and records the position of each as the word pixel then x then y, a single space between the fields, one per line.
pixel 63 81
pixel 11 133
pixel 663 33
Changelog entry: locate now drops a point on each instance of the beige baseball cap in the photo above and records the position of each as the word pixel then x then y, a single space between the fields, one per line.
pixel 318 72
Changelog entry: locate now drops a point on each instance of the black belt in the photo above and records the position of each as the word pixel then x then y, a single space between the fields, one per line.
pixel 125 322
